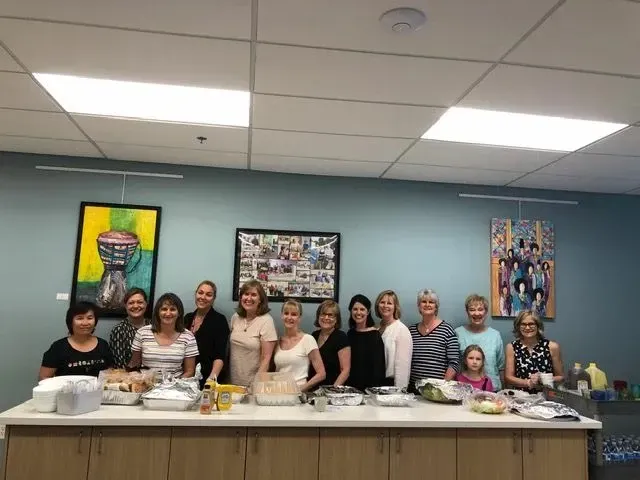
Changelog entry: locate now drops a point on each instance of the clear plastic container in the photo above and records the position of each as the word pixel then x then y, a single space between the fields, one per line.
pixel 273 389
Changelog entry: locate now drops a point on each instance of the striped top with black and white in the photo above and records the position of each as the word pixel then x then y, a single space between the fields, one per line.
pixel 434 352
pixel 164 357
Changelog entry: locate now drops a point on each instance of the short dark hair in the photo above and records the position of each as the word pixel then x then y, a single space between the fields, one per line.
pixel 325 306
pixel 171 299
pixel 135 291
pixel 80 308
pixel 263 306
pixel 359 298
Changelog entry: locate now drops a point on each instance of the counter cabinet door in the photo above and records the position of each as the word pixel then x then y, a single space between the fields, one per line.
pixel 140 453
pixel 555 454
pixel 490 454
pixel 36 453
pixel 203 452
pixel 282 454
pixel 422 453
pixel 354 454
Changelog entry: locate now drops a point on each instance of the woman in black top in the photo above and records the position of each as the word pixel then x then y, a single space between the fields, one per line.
pixel 332 343
pixel 81 353
pixel 211 330
pixel 368 366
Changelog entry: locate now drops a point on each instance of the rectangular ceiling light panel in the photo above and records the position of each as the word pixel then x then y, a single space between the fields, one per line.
pixel 520 130
pixel 148 101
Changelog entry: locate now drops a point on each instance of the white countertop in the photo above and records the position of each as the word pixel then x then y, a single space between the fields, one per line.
pixel 422 414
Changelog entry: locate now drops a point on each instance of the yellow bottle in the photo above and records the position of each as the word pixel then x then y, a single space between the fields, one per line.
pixel 224 397
pixel 598 377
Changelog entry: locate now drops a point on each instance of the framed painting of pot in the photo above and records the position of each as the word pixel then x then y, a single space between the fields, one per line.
pixel 116 249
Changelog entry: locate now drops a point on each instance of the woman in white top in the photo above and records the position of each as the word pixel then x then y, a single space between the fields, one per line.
pixel 398 346
pixel 166 344
pixel 253 335
pixel 297 350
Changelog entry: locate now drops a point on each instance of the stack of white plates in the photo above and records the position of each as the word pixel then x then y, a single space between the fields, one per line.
pixel 44 395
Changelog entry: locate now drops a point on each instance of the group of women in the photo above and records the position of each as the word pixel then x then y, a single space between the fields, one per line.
pixel 369 354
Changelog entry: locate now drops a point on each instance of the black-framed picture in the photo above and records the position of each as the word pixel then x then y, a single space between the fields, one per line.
pixel 289 264
pixel 116 249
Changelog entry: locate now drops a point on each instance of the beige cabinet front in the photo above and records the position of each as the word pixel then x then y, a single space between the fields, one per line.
pixel 37 453
pixel 420 453
pixel 354 454
pixel 282 454
pixel 554 454
pixel 140 453
pixel 204 452
pixel 490 454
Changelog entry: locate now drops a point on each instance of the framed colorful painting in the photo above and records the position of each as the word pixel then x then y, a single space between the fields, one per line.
pixel 288 264
pixel 522 267
pixel 116 249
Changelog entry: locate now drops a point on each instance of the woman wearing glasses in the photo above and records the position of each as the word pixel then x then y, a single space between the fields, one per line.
pixel 531 354
pixel 333 344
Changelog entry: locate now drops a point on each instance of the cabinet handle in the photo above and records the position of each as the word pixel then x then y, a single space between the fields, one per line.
pixel 515 442
pixel 255 444
pixel 530 435
pixel 80 442
pixel 100 443
pixel 237 442
pixel 398 443
pixel 381 442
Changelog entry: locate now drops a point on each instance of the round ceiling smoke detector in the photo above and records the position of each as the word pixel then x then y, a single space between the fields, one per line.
pixel 403 19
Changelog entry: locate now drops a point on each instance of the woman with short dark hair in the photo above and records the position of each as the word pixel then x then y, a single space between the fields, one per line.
pixel 166 344
pixel 332 343
pixel 367 348
pixel 81 352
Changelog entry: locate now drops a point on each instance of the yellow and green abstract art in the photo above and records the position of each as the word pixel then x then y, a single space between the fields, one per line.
pixel 117 249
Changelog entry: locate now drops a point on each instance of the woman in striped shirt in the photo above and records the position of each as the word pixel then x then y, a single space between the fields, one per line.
pixel 166 344
pixel 436 351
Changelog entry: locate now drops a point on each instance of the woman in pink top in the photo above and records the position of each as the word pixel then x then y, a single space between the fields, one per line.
pixel 473 369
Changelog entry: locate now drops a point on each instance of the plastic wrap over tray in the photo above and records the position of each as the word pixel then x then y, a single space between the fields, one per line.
pixel 390 396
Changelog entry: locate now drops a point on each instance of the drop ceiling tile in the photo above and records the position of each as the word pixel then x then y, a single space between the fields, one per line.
pixel 313 72
pixel 355 25
pixel 576 184
pixel 588 35
pixel 128 55
pixel 464 155
pixel 428 173
pixel 222 18
pixel 178 156
pixel 18 90
pixel 316 166
pixel 159 134
pixel 7 63
pixel 25 123
pixel 627 142
pixel 596 166
pixel 316 145
pixel 335 116
pixel 558 93
pixel 48 146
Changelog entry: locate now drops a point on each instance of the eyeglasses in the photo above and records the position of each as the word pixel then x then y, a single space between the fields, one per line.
pixel 328 315
pixel 528 326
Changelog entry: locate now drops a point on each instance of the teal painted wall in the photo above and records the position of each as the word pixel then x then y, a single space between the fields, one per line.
pixel 400 235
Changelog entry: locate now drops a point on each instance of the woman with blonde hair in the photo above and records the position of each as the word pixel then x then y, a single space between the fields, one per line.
pixel 253 335
pixel 398 346
pixel 296 350
pixel 531 354
pixel 333 344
